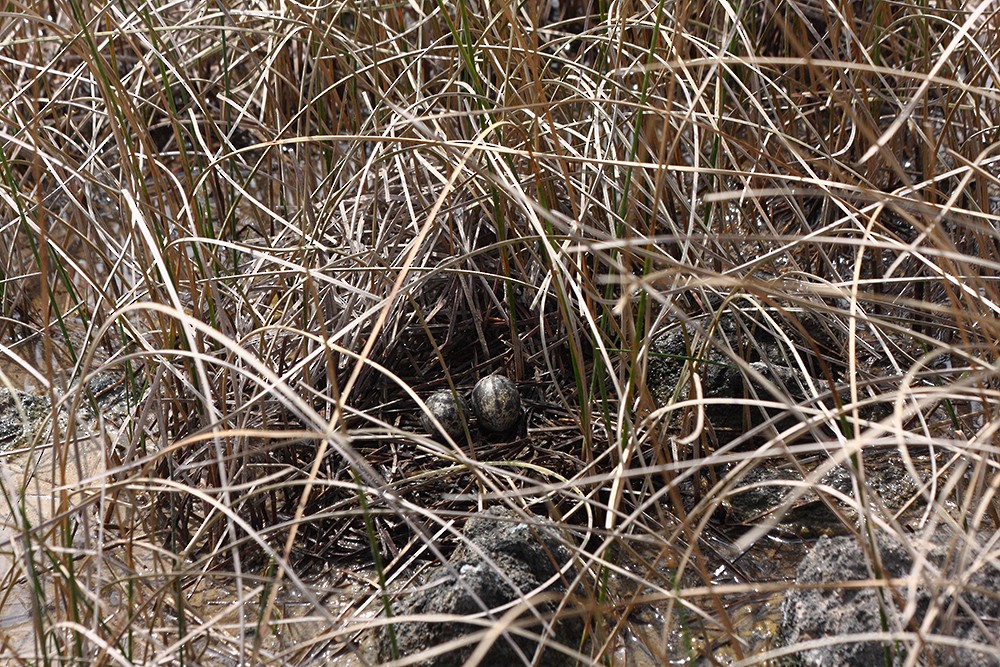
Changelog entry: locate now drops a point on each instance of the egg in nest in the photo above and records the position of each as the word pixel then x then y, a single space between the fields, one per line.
pixel 449 409
pixel 497 404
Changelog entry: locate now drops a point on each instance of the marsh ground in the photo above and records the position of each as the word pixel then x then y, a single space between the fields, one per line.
pixel 282 227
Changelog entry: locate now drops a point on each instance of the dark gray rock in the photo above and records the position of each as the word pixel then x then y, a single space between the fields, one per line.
pixel 763 490
pixel 503 560
pixel 817 608
pixel 704 345
pixel 761 494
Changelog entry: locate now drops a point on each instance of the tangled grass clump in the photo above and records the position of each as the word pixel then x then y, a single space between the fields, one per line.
pixel 284 227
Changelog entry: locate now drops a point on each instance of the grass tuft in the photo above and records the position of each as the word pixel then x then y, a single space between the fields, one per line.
pixel 740 259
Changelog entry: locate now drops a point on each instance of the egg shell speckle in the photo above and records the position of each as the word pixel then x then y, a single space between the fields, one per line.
pixel 496 403
pixel 449 411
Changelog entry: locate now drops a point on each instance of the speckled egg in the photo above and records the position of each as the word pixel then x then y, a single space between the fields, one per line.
pixel 496 403
pixel 449 409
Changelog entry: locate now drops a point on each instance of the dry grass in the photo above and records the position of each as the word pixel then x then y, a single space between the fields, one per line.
pixel 283 227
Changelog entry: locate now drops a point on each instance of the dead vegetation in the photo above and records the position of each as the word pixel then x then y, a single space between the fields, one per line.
pixel 285 227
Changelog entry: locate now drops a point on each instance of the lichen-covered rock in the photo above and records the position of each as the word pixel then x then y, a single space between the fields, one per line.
pixel 502 561
pixel 21 415
pixel 817 607
pixel 26 418
pixel 497 404
pixel 450 411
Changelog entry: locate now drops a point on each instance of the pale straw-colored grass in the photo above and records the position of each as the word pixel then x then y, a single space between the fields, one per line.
pixel 283 226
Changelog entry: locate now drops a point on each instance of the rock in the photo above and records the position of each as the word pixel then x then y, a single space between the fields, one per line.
pixel 449 409
pixel 21 415
pixel 503 560
pixel 497 404
pixel 26 418
pixel 761 491
pixel 778 361
pixel 676 352
pixel 814 609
